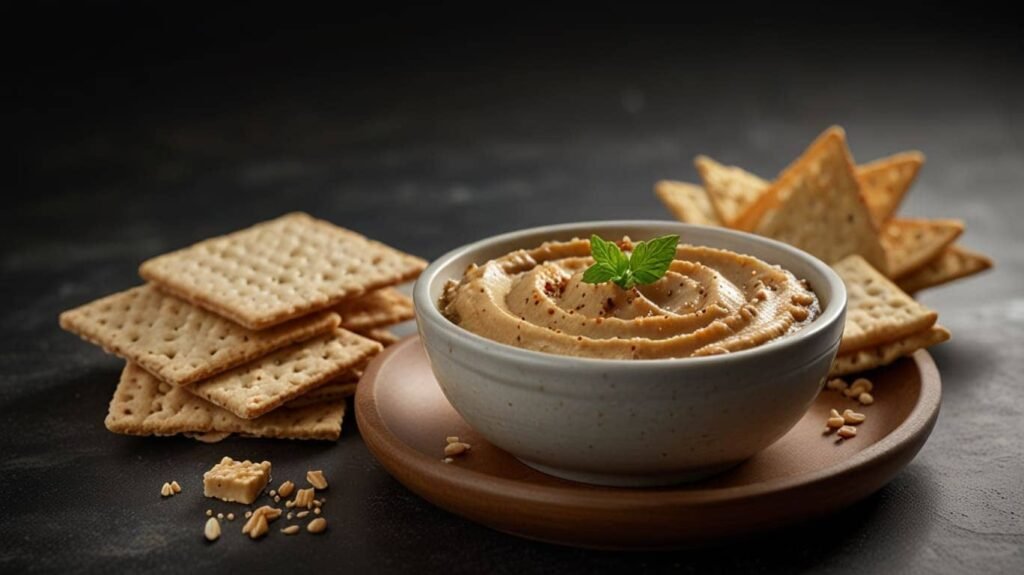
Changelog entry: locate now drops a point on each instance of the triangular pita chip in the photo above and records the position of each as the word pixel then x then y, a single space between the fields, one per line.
pixel 689 203
pixel 731 189
pixel 885 354
pixel 953 263
pixel 816 205
pixel 877 311
pixel 884 182
pixel 911 243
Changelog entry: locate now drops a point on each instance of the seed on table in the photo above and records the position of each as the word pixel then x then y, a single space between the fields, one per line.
pixel 847 431
pixel 212 529
pixel 853 418
pixel 318 525
pixel 866 398
pixel 290 530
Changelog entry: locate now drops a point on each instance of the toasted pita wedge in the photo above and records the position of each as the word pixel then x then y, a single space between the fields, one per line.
pixel 884 183
pixel 877 311
pixel 732 190
pixel 885 354
pixel 689 203
pixel 953 263
pixel 816 205
pixel 911 243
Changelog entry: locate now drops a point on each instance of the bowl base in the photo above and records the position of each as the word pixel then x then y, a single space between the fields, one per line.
pixel 613 480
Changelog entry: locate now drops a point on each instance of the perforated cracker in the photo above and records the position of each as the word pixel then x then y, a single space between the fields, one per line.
pixel 953 263
pixel 911 243
pixel 256 388
pixel 884 183
pixel 877 312
pixel 885 354
pixel 278 270
pixel 384 336
pixel 378 308
pixel 818 208
pixel 731 189
pixel 144 405
pixel 342 386
pixel 178 342
pixel 688 203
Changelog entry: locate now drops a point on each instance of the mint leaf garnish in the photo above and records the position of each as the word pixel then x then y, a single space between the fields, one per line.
pixel 647 264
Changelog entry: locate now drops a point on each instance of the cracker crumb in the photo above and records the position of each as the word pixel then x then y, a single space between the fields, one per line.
pixel 317 511
pixel 286 488
pixel 290 515
pixel 165 490
pixel 220 516
pixel 260 528
pixel 175 487
pixel 212 529
pixel 448 460
pixel 316 479
pixel 851 417
pixel 318 525
pixel 272 493
pixel 231 516
pixel 304 498
pixel 457 448
pixel 238 481
pixel 209 512
pixel 277 499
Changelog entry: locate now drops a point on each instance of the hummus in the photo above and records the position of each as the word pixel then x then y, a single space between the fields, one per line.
pixel 710 302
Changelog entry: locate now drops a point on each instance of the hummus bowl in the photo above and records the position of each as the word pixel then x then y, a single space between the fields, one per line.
pixel 631 422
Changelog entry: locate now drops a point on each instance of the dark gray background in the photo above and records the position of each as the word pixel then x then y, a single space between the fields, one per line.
pixel 136 131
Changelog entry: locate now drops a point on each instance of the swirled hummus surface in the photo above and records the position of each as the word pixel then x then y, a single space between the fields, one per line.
pixel 710 302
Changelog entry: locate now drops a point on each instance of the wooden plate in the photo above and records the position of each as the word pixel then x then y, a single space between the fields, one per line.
pixel 404 419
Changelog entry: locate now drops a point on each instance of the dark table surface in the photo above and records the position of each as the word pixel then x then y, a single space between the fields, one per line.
pixel 131 141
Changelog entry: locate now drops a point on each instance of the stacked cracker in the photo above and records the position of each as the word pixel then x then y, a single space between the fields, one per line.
pixel 844 214
pixel 263 332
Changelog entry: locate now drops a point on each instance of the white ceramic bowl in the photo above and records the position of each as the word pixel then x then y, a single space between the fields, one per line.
pixel 631 422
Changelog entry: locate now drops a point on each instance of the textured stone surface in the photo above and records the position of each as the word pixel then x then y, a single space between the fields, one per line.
pixel 202 129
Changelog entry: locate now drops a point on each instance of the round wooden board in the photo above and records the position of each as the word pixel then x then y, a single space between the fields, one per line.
pixel 404 419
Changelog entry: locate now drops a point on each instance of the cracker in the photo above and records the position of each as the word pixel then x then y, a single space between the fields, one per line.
pixel 178 342
pixel 885 354
pixel 278 270
pixel 877 312
pixel 383 336
pixel 816 206
pixel 911 243
pixel 731 189
pixel 329 392
pixel 688 203
pixel 884 183
pixel 378 308
pixel 143 405
pixel 342 386
pixel 953 263
pixel 251 390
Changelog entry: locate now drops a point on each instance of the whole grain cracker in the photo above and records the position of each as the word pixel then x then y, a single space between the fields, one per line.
pixel 885 354
pixel 281 269
pixel 884 183
pixel 877 311
pixel 689 203
pixel 142 406
pixel 816 206
pixel 731 189
pixel 328 392
pixel 953 263
pixel 382 335
pixel 254 389
pixel 179 342
pixel 376 309
pixel 911 243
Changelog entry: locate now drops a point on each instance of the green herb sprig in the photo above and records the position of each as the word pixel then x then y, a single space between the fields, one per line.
pixel 647 264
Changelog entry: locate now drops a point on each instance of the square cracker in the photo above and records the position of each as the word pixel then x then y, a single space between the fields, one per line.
pixel 330 392
pixel 732 189
pixel 953 263
pixel 278 270
pixel 885 182
pixel 911 243
pixel 144 405
pixel 256 388
pixel 877 312
pixel 178 342
pixel 378 308
pixel 385 336
pixel 688 203
pixel 816 206
pixel 885 354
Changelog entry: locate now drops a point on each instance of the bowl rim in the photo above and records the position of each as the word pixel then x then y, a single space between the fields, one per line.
pixel 427 310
